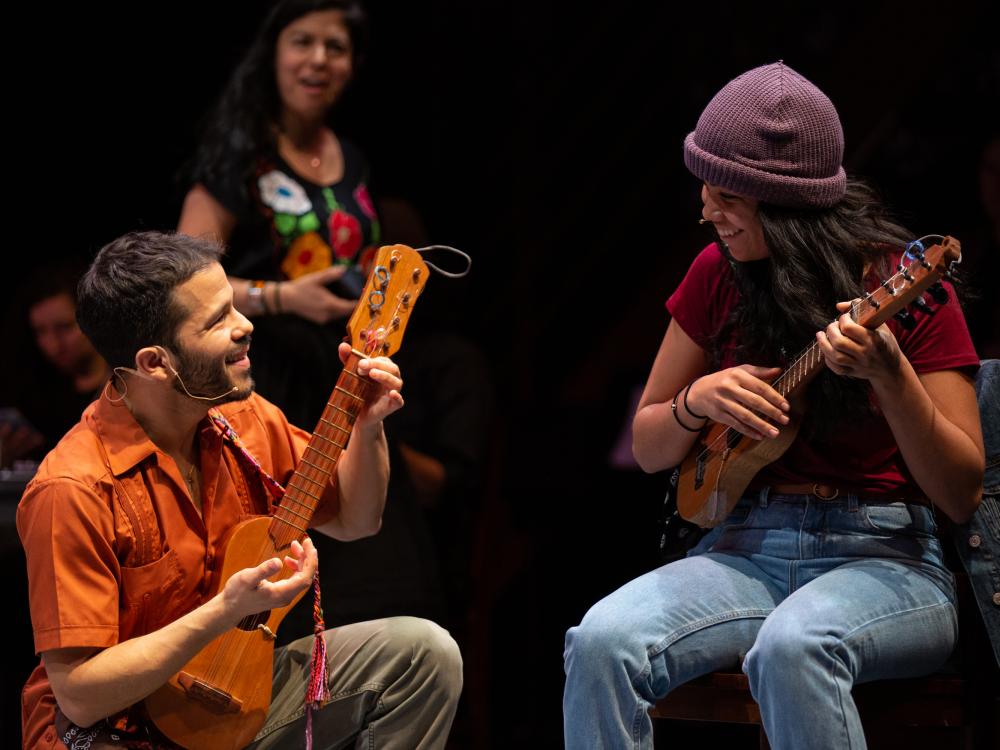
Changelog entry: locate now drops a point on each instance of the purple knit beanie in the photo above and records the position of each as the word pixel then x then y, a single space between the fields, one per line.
pixel 772 135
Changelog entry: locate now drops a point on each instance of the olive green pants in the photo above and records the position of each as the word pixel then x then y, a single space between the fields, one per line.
pixel 394 683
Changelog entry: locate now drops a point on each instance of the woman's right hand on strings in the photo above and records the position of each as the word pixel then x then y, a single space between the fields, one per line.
pixel 308 297
pixel 740 397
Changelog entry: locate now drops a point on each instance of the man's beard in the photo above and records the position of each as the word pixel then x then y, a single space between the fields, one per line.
pixel 207 378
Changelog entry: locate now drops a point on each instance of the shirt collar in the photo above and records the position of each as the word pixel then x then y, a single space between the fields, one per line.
pixel 126 443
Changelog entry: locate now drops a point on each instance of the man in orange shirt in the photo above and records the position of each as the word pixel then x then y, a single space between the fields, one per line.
pixel 126 519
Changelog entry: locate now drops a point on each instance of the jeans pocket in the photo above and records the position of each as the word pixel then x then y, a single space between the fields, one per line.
pixel 741 514
pixel 898 518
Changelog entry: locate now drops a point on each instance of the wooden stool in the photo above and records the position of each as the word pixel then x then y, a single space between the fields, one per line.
pixel 937 702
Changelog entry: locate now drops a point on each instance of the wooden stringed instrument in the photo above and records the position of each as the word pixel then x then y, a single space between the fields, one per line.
pixel 722 462
pixel 219 701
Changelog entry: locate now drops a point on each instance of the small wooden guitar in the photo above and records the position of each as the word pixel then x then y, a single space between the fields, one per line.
pixel 219 701
pixel 722 462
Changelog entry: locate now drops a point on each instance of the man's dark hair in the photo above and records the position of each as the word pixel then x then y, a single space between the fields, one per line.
pixel 125 300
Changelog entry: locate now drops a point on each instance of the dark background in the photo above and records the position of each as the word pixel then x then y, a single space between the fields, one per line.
pixel 545 140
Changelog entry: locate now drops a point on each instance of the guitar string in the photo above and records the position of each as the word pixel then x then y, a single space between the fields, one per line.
pixel 240 645
pixel 919 259
pixel 235 639
pixel 777 385
pixel 235 643
pixel 725 435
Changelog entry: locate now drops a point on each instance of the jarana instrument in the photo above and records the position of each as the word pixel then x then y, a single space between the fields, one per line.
pixel 219 701
pixel 723 461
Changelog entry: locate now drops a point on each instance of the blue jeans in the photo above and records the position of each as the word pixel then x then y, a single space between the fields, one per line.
pixel 811 597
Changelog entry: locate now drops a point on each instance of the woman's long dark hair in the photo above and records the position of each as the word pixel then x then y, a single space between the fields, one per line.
pixel 242 125
pixel 817 258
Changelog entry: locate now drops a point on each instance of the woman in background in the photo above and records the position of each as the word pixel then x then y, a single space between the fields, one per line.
pixel 289 197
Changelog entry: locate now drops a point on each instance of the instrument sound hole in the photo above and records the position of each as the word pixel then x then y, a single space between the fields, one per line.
pixel 251 622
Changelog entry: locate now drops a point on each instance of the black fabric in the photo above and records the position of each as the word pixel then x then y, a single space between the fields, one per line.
pixel 283 236
pixel 677 536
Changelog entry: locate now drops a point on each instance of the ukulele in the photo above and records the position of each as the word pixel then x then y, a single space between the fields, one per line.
pixel 219 701
pixel 723 461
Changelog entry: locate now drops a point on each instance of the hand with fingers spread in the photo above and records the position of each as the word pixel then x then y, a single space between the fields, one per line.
pixel 741 398
pixel 249 591
pixel 858 352
pixel 385 372
pixel 308 296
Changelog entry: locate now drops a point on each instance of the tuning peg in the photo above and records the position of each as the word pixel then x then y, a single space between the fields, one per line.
pixel 906 320
pixel 915 250
pixel 921 304
pixel 938 292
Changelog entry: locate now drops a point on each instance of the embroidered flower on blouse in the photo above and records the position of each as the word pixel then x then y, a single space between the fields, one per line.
pixel 345 234
pixel 308 253
pixel 283 194
pixel 365 201
pixel 285 224
pixel 309 223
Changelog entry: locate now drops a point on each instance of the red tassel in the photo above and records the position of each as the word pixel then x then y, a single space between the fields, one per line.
pixel 318 692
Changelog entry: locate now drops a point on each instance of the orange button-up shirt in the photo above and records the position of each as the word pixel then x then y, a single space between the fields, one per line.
pixel 115 546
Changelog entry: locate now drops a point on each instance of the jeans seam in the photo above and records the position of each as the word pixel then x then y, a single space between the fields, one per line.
pixel 673 637
pixel 640 711
pixel 921 608
pixel 840 698
pixel 848 635
pixel 676 635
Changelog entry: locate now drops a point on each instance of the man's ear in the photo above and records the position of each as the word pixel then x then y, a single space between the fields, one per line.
pixel 154 362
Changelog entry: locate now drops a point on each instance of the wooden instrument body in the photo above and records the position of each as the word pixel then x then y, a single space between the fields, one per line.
pixel 219 701
pixel 712 481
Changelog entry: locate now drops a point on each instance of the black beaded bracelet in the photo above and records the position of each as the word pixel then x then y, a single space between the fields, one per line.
pixel 673 410
pixel 688 408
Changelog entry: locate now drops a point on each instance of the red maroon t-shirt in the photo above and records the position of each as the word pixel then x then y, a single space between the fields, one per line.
pixel 862 456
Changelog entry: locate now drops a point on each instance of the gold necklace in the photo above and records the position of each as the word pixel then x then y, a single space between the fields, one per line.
pixel 316 158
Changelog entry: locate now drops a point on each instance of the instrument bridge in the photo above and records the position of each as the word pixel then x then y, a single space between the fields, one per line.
pixel 213 698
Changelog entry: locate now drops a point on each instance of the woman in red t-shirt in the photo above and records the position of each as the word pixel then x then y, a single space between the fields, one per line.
pixel 827 573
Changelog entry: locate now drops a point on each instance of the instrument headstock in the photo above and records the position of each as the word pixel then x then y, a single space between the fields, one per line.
pixel 397 278
pixel 918 270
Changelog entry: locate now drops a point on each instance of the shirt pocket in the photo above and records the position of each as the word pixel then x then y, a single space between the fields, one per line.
pixel 147 593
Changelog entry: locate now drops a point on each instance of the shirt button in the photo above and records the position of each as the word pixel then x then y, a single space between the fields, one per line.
pixel 975 540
